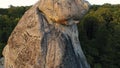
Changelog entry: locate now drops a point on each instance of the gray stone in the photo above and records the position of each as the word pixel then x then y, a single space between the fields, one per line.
pixel 1 62
pixel 41 41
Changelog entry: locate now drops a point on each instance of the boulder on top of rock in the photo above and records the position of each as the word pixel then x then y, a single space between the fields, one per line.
pixel 62 10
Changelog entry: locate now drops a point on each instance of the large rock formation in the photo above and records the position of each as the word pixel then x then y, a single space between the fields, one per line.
pixel 47 36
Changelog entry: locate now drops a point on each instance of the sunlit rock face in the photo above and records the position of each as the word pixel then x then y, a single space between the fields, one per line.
pixel 62 10
pixel 47 37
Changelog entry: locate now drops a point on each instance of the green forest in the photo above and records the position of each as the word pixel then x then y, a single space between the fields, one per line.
pixel 99 33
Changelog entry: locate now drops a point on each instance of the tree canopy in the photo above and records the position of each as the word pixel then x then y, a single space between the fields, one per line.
pixel 99 34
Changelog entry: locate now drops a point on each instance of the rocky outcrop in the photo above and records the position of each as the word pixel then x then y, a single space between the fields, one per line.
pixel 47 37
pixel 1 62
pixel 62 10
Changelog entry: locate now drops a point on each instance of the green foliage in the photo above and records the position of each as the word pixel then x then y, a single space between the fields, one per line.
pixel 1 48
pixel 97 65
pixel 8 20
pixel 99 33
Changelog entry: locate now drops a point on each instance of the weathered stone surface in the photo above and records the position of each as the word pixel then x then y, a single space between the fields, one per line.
pixel 62 10
pixel 1 62
pixel 38 41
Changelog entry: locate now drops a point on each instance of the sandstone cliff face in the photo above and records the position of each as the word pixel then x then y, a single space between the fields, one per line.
pixel 45 39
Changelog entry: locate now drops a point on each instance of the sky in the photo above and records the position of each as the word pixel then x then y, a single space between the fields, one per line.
pixel 7 3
